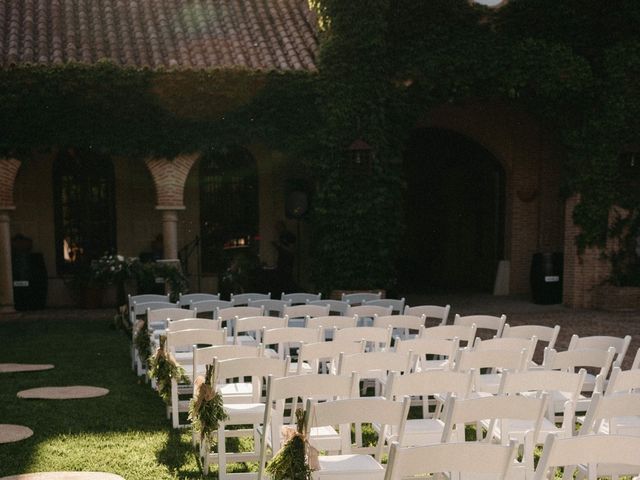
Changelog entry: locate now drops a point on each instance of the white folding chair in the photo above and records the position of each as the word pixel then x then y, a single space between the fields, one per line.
pixel 464 333
pixel 180 344
pixel 287 393
pixel 145 298
pixel 439 314
pixel 300 298
pixel 336 307
pixel 486 322
pixel 404 326
pixel 283 342
pixel 347 465
pixel 623 381
pixel 329 322
pixel 547 336
pixel 508 344
pixel 494 361
pixel 487 460
pixel 274 308
pixel 296 314
pixel 592 451
pixel 249 413
pixel 612 415
pixel 185 300
pixel 243 299
pixel 602 342
pixel 228 315
pixel 247 330
pixel 396 304
pixel 136 311
pixel 376 366
pixel 497 411
pixel 438 384
pixel 377 338
pixel 357 298
pixel 209 308
pixel 366 313
pixel 432 353
pixel 322 357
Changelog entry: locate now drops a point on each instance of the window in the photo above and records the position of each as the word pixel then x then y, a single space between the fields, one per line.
pixel 228 206
pixel 84 205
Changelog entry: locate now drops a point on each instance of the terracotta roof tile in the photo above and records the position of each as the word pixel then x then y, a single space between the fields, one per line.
pixel 253 34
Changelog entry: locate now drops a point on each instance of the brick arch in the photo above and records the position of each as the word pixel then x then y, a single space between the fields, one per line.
pixel 169 177
pixel 8 171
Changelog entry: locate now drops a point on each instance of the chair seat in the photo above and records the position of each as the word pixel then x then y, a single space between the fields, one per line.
pixel 488 382
pixel 432 365
pixel 325 438
pixel 622 426
pixel 519 428
pixel 236 392
pixel 348 465
pixel 245 412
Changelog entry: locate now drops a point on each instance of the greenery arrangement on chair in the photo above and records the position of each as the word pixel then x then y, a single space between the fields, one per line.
pixel 163 367
pixel 206 409
pixel 296 459
pixel 141 339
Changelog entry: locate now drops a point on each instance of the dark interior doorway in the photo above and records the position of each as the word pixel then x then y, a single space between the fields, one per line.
pixel 454 214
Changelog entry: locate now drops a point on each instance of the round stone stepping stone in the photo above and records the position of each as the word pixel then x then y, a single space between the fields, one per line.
pixel 23 367
pixel 63 393
pixel 13 433
pixel 64 476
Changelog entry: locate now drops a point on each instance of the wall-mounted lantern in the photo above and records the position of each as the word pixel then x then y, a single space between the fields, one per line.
pixel 360 157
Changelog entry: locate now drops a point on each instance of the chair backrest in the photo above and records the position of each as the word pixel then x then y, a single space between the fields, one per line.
pixel 159 318
pixel 588 450
pixel 487 322
pixel 609 409
pixel 602 342
pixel 286 338
pixel 329 322
pixel 209 308
pixel 356 298
pixel 370 364
pixel 299 298
pixel 432 312
pixel 465 333
pixel 501 408
pixel 405 322
pixel 245 368
pixel 184 340
pixel 228 315
pixel 494 461
pixel 188 323
pixel 317 354
pixel 569 360
pixel 397 305
pixel 636 360
pixel 623 381
pixel 301 311
pixel 377 338
pixel 425 346
pixel 184 300
pixel 506 344
pixel 242 299
pixel 271 307
pixel 294 387
pixel 336 307
pixel 489 359
pixel 427 383
pixel 141 308
pixel 202 356
pixel 147 297
pixel 254 325
pixel 369 311
pixel 548 335
pixel 346 412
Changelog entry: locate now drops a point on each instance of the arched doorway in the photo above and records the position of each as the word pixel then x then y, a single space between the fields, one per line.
pixel 454 214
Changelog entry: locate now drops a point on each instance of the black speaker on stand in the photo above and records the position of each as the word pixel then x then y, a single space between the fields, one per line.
pixel 296 206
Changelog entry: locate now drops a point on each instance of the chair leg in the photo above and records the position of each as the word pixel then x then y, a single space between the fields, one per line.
pixel 222 451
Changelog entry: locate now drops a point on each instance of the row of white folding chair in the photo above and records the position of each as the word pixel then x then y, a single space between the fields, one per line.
pixel 496 461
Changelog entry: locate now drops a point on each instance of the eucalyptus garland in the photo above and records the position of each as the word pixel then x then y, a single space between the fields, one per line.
pixel 141 339
pixel 206 409
pixel 295 459
pixel 163 367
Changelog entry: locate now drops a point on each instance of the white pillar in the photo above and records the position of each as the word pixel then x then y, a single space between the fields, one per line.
pixel 6 275
pixel 170 234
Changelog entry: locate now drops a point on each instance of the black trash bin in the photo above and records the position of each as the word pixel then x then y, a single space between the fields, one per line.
pixel 546 277
pixel 29 281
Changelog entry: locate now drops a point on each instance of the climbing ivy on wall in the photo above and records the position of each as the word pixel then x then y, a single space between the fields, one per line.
pixel 574 64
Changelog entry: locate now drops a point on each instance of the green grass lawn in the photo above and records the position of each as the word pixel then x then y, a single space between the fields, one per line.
pixel 125 432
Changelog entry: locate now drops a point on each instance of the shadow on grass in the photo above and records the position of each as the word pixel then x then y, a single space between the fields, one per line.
pixel 176 453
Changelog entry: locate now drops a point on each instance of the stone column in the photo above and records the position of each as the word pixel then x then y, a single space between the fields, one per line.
pixel 6 277
pixel 169 232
